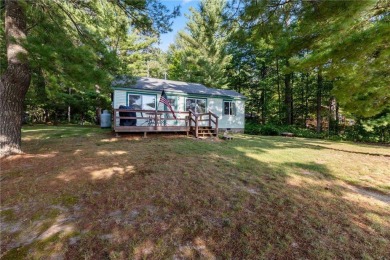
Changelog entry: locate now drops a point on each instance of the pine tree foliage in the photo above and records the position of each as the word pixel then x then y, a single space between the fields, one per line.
pixel 298 62
pixel 68 45
pixel 200 54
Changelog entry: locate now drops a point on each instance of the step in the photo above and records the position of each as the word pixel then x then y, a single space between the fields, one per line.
pixel 206 130
pixel 206 134
pixel 203 127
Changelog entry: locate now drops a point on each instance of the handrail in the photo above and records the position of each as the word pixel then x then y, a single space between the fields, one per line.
pixel 153 115
pixel 156 114
pixel 196 122
pixel 215 122
pixel 149 111
pixel 192 112
pixel 214 115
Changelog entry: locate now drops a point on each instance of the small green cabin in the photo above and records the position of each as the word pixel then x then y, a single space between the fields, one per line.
pixel 210 108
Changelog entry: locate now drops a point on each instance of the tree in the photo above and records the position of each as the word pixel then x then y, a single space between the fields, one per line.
pixel 348 40
pixel 200 55
pixel 15 80
pixel 89 29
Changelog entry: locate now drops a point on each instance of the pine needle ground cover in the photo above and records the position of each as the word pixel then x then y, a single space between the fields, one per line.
pixel 82 193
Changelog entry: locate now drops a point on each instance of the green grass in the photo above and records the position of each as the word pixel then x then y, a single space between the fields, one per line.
pixel 172 196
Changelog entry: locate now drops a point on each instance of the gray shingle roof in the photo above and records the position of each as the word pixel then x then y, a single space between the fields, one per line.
pixel 172 86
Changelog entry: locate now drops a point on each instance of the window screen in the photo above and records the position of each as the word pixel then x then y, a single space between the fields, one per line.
pixel 229 108
pixel 196 105
pixel 140 101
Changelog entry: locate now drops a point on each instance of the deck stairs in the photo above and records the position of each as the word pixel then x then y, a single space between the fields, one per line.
pixel 205 131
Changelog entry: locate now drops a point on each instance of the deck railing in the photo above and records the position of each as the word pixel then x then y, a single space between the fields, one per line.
pixel 209 117
pixel 158 120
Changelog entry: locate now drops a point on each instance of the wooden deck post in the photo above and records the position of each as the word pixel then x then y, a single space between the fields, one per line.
pixel 216 126
pixel 196 127
pixel 209 119
pixel 189 119
pixel 114 119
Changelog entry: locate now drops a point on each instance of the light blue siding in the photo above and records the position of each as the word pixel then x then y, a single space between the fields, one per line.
pixel 215 105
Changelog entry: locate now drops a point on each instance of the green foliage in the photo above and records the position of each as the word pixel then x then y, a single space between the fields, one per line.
pixel 291 41
pixel 372 130
pixel 363 131
pixel 200 55
pixel 76 49
pixel 254 128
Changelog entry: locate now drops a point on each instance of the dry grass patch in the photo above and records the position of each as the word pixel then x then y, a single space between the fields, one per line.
pixel 83 193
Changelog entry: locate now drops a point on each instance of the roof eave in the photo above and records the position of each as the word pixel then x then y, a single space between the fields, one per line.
pixel 179 92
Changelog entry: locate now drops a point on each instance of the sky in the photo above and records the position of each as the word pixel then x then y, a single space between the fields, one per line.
pixel 179 22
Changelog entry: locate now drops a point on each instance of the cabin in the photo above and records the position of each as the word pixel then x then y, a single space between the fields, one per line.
pixel 198 110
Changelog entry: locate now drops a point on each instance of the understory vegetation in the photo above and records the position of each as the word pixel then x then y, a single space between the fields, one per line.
pixel 82 193
pixel 355 133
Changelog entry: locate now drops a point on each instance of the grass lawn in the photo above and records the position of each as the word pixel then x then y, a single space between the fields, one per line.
pixel 81 193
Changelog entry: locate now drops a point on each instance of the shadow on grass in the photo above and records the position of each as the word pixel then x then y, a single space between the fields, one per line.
pixel 44 132
pixel 314 144
pixel 311 169
pixel 183 198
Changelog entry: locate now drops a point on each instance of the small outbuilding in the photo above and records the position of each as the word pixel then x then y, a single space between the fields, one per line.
pixel 196 108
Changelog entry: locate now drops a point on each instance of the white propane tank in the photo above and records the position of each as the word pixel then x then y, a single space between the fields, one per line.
pixel 105 119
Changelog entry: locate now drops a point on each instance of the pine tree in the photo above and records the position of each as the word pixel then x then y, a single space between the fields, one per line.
pixel 72 42
pixel 199 55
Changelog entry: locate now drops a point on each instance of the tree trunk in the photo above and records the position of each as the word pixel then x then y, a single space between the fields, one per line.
pixel 319 100
pixel 69 115
pixel 332 114
pixel 263 108
pixel 15 81
pixel 279 94
pixel 263 96
pixel 307 99
pixel 288 98
pixel 337 119
pixel 98 108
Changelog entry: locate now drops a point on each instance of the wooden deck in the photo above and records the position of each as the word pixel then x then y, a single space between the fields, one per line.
pixel 162 121
pixel 152 129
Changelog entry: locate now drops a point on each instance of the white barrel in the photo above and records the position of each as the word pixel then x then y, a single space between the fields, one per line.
pixel 105 119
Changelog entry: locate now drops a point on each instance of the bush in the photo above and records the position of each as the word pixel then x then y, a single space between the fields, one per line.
pixel 269 130
pixel 356 133
pixel 272 130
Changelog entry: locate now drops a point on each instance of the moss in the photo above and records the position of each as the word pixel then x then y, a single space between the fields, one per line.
pixel 51 214
pixel 42 245
pixel 8 215
pixel 17 253
pixel 66 200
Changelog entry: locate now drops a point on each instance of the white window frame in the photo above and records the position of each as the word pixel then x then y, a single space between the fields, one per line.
pixel 232 108
pixel 196 99
pixel 142 98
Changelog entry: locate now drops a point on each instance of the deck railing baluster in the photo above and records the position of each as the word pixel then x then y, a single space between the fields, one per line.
pixel 155 120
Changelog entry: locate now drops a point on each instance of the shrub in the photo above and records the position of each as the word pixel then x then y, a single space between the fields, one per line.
pixel 356 133
pixel 272 130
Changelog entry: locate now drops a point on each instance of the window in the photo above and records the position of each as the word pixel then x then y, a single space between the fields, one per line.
pixel 172 101
pixel 196 105
pixel 135 101
pixel 229 108
pixel 141 101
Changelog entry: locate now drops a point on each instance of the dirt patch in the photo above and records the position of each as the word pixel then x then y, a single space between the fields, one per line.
pixel 370 194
